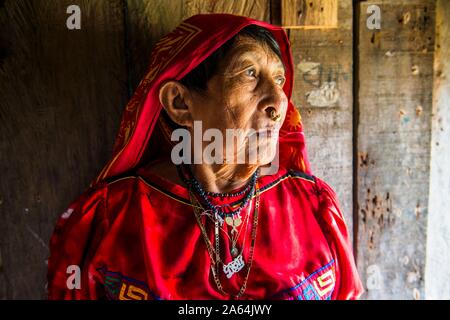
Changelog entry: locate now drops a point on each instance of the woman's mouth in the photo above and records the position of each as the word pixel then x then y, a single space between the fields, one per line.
pixel 268 132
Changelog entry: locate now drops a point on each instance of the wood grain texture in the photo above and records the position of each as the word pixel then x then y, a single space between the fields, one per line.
pixel 437 276
pixel 257 9
pixel 323 94
pixel 62 92
pixel 147 21
pixel 396 72
pixel 309 14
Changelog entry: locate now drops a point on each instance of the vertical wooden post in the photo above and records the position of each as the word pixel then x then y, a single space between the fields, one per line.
pixel 396 64
pixel 323 94
pixel 309 14
pixel 437 276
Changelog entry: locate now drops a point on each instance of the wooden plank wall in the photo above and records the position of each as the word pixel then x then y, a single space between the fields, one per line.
pixel 309 14
pixel 323 93
pixel 395 100
pixel 437 276
pixel 62 93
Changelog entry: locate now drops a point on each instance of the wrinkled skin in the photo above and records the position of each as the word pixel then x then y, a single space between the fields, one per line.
pixel 246 89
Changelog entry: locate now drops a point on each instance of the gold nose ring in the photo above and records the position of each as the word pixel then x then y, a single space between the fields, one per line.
pixel 274 116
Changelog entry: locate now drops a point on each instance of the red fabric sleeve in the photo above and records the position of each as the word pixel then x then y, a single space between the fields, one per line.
pixel 76 236
pixel 348 285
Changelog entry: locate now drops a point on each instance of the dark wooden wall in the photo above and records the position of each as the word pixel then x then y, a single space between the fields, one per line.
pixel 62 93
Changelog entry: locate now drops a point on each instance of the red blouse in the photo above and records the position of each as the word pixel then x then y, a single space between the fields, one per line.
pixel 137 238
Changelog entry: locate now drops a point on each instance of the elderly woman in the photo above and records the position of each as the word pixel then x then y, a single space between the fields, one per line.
pixel 208 194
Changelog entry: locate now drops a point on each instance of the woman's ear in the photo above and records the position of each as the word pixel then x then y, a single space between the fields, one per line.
pixel 175 98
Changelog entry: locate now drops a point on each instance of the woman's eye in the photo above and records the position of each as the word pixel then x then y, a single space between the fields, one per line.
pixel 280 80
pixel 251 72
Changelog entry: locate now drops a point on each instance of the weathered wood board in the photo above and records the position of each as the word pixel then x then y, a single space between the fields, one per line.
pixel 62 92
pixel 309 14
pixel 257 9
pixel 323 94
pixel 395 95
pixel 437 276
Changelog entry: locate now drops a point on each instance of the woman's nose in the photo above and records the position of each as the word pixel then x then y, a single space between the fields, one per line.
pixel 274 98
pixel 273 114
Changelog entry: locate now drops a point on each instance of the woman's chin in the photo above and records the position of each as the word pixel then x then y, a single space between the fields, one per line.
pixel 265 155
pixel 269 150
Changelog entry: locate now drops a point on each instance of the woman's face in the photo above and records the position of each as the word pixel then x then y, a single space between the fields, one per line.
pixel 246 89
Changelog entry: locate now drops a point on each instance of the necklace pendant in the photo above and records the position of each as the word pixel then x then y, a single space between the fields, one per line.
pixel 218 218
pixel 233 222
pixel 234 252
pixel 234 266
pixel 229 221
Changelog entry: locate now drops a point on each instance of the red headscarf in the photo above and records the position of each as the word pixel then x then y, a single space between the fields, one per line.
pixel 174 56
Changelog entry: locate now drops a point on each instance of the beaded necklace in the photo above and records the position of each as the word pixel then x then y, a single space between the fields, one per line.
pixel 193 183
pixel 231 218
pixel 218 216
pixel 214 253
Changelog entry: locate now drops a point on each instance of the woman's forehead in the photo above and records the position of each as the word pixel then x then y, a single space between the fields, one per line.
pixel 247 48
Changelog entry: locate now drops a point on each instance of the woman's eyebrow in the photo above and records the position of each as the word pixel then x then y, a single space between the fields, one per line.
pixel 242 58
pixel 249 58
